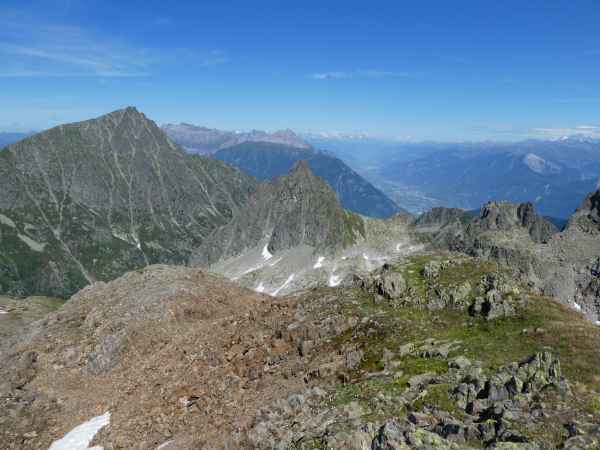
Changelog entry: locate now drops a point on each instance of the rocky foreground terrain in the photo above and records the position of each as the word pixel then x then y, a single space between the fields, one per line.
pixel 441 350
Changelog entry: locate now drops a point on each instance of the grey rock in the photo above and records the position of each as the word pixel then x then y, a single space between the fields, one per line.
pixel 422 379
pixel 353 359
pixel 391 285
pixel 460 362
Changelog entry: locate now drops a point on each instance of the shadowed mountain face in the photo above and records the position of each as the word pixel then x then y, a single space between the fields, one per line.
pixel 90 200
pixel 266 161
pixel 293 210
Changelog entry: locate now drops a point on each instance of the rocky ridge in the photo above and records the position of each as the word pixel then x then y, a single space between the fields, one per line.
pixel 559 264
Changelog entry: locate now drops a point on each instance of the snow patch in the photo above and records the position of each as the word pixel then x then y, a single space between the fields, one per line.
pixel 319 262
pixel 3 312
pixel 284 285
pixel 365 257
pixel 161 446
pixel 266 253
pixel 334 280
pixel 33 245
pixel 275 262
pixel 577 306
pixel 540 165
pixel 7 221
pixel 80 437
pixel 260 287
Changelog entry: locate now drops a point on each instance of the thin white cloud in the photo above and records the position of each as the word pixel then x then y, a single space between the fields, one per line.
pixel 592 131
pixel 330 75
pixel 37 49
pixel 358 74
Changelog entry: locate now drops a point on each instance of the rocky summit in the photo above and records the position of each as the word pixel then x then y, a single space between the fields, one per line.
pixel 88 201
pixel 296 209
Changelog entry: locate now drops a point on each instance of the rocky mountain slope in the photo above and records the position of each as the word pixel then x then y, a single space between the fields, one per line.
pixel 206 141
pixel 296 209
pixel 439 351
pixel 88 201
pixel 562 264
pixel 266 161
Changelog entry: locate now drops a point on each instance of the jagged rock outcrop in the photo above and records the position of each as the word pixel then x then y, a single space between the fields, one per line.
pixel 506 216
pixel 88 201
pixel 293 210
pixel 562 264
pixel 440 217
pixel 572 263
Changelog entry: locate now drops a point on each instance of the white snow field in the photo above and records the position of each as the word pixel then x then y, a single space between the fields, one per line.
pixel 80 437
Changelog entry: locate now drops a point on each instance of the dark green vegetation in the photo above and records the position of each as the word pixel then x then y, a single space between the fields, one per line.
pixel 91 200
pixel 266 161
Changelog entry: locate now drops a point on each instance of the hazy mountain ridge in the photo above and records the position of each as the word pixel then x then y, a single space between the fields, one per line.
pixel 203 140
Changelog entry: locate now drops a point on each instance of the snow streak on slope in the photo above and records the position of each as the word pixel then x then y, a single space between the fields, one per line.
pixel 266 253
pixel 284 285
pixel 334 280
pixel 80 437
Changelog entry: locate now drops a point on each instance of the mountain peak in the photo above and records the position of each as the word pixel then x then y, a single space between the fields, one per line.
pixel 505 216
pixel 115 182
pixel 588 210
pixel 301 167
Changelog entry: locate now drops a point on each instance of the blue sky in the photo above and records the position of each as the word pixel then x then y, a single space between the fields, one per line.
pixel 443 70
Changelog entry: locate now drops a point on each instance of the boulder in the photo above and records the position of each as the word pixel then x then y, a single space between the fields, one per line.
pixel 391 285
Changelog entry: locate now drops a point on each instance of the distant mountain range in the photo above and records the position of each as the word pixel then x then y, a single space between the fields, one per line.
pixel 269 155
pixel 553 174
pixel 202 140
